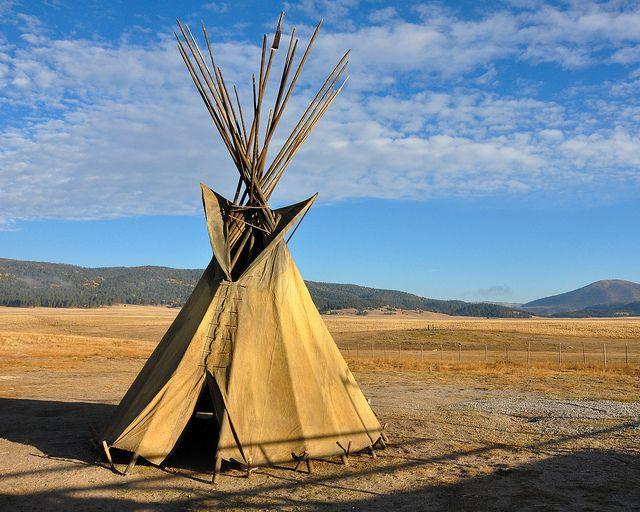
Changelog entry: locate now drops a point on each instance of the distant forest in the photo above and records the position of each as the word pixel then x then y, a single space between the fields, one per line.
pixel 27 283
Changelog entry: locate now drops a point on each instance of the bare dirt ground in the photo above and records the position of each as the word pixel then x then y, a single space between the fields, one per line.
pixel 463 437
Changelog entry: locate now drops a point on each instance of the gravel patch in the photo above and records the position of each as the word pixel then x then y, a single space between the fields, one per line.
pixel 559 417
pixel 544 408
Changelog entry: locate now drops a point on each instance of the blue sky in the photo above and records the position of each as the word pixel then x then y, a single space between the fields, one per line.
pixel 482 151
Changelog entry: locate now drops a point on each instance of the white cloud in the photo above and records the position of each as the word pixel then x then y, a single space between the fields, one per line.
pixel 495 292
pixel 117 129
pixel 216 7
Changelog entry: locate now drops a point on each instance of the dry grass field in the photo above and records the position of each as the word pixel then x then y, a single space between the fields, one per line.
pixel 465 435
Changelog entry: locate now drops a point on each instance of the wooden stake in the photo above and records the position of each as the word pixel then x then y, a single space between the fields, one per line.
pixel 380 442
pixel 105 447
pixel 216 469
pixel 383 434
pixel 132 463
pixel 345 455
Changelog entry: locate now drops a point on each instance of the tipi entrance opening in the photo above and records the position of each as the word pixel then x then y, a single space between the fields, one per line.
pixel 196 447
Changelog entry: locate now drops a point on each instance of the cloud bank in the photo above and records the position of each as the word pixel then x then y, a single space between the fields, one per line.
pixel 438 105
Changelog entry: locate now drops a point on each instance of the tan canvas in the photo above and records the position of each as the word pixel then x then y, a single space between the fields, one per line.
pixel 283 385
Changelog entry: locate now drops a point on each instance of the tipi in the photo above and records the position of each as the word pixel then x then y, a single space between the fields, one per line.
pixel 249 339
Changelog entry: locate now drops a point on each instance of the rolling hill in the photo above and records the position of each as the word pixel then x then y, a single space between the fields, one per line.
pixel 28 283
pixel 604 310
pixel 601 294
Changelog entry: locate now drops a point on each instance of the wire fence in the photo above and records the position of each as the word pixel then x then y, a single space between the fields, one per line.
pixel 451 352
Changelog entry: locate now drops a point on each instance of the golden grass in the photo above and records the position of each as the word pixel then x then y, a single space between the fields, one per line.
pixel 64 339
pixel 532 369
pixel 609 328
pixel 575 381
pixel 144 321
pixel 123 322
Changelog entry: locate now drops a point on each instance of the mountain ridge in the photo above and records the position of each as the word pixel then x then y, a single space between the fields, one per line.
pixel 605 292
pixel 31 283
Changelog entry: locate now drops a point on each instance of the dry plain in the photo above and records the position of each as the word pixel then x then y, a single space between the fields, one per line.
pixel 469 430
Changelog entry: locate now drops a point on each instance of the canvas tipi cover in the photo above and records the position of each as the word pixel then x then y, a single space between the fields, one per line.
pixel 283 387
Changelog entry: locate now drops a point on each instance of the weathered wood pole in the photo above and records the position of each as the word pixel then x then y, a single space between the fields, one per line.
pixel 604 354
pixel 528 353
pixel 584 355
pixel 485 352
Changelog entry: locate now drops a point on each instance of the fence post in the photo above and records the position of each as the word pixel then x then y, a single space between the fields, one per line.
pixel 528 353
pixel 560 353
pixel 584 355
pixel 604 353
pixel 459 352
pixel 485 352
pixel 507 350
pixel 626 354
